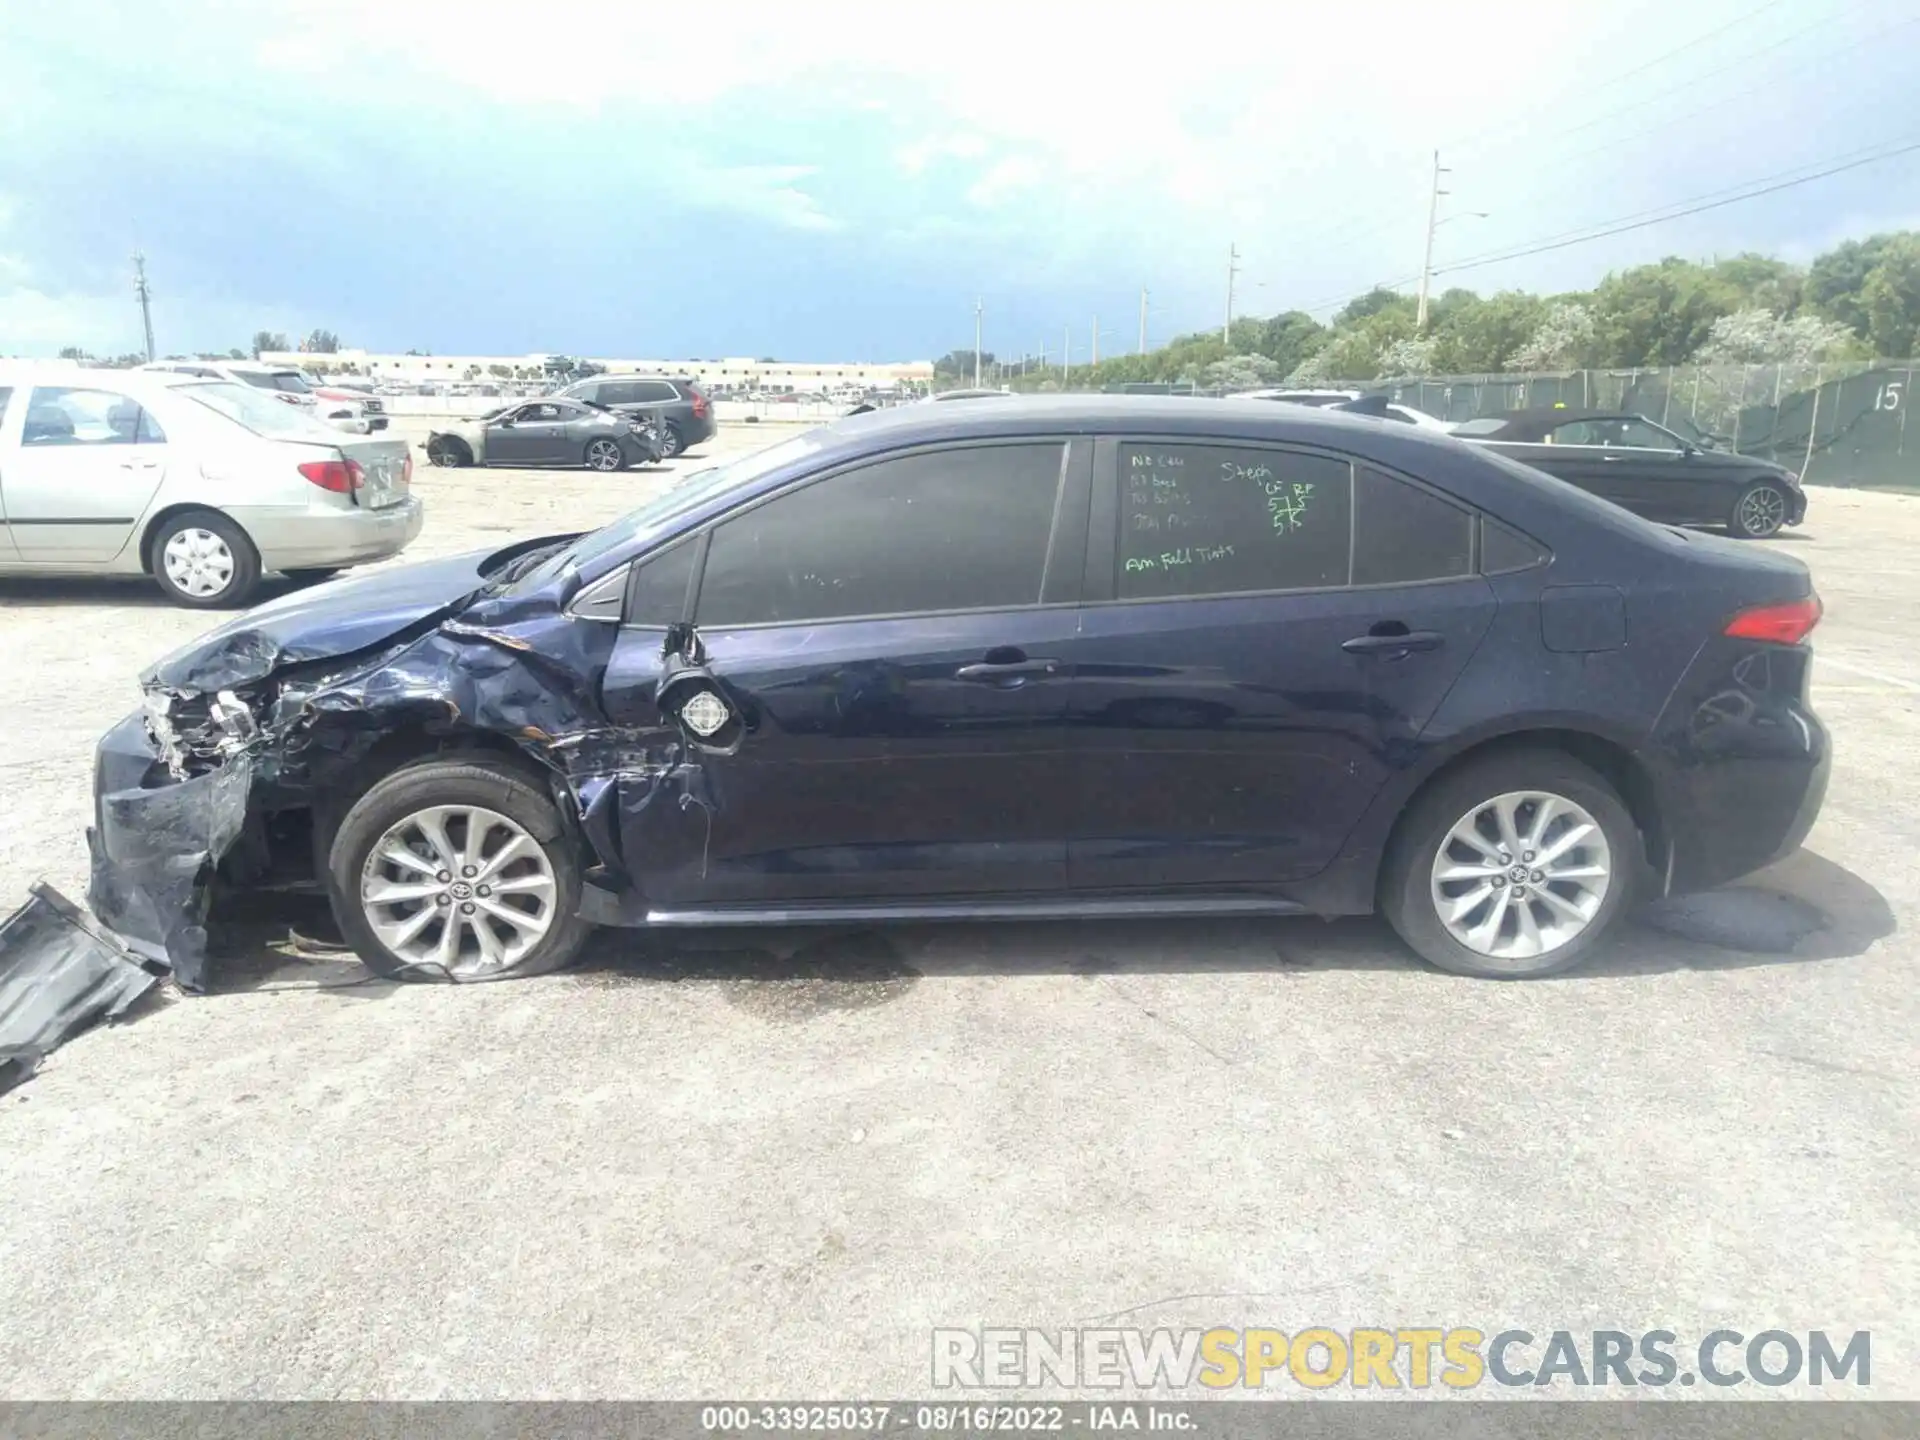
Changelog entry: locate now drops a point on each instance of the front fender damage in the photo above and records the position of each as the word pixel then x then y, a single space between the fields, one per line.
pixel 192 821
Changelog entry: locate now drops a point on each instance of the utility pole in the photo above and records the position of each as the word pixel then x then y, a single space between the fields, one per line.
pixel 1143 320
pixel 146 299
pixel 976 343
pixel 1096 340
pixel 1066 349
pixel 1426 263
pixel 1233 268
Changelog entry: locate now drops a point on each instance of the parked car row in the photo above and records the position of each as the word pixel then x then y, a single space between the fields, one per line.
pixel 201 482
pixel 1032 657
pixel 339 405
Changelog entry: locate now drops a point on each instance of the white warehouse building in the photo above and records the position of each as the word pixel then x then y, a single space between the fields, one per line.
pixel 730 374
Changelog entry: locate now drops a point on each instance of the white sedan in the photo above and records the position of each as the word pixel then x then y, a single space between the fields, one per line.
pixel 202 484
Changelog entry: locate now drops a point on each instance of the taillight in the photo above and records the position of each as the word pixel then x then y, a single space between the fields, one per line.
pixel 1787 624
pixel 699 403
pixel 343 477
pixel 406 470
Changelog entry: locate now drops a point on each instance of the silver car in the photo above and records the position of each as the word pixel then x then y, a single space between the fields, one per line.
pixel 202 484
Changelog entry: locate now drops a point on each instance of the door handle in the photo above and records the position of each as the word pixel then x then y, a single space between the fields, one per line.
pixel 1393 644
pixel 1005 669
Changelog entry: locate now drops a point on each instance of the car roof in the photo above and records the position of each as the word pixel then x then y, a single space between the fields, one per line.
pixel 86 377
pixel 1012 416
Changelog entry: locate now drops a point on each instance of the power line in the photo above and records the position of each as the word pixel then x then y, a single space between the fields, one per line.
pixel 1611 228
pixel 1340 229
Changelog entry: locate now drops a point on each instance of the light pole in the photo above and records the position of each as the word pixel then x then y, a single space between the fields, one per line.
pixel 1233 268
pixel 976 343
pixel 1143 321
pixel 146 299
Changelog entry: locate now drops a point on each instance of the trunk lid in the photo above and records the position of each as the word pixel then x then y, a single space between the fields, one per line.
pixel 386 463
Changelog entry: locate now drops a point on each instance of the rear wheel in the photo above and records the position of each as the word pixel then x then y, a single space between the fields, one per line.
pixel 1759 512
pixel 669 441
pixel 202 559
pixel 1511 869
pixel 605 454
pixel 456 870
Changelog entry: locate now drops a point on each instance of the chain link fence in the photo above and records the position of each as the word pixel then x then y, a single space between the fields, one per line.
pixel 1837 424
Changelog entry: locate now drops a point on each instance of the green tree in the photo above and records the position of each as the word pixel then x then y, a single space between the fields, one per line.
pixel 1658 314
pixel 321 342
pixel 1289 338
pixel 1835 280
pixel 1372 303
pixel 1891 299
pixel 269 340
pixel 1764 283
pixel 73 352
pixel 502 371
pixel 236 354
pixel 1476 337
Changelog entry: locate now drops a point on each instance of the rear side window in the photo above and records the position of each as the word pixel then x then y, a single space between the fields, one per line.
pixel 1403 534
pixel 1503 549
pixel 961 529
pixel 1216 520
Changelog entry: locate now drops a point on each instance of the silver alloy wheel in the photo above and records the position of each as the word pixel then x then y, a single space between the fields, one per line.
pixel 604 455
pixel 1763 510
pixel 198 562
pixel 460 887
pixel 669 441
pixel 1520 875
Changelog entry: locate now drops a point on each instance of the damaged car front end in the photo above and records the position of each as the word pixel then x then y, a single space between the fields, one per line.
pixel 253 745
pixel 452 751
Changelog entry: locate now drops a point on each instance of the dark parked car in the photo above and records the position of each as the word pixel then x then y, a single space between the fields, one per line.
pixel 1648 469
pixel 1045 657
pixel 680 407
pixel 547 432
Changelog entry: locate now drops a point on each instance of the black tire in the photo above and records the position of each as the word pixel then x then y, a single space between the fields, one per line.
pixel 604 455
pixel 448 452
pixel 472 780
pixel 1760 511
pixel 312 576
pixel 243 561
pixel 1406 881
pixel 669 441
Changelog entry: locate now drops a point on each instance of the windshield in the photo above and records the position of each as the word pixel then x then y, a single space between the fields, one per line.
pixel 259 413
pixel 695 490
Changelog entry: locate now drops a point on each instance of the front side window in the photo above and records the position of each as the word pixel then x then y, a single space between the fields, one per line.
pixel 1642 435
pixel 961 529
pixel 1221 519
pixel 62 415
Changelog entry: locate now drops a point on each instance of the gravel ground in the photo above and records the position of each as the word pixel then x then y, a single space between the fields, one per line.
pixel 767 1164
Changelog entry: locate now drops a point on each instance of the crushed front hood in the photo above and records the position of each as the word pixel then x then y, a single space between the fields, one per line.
pixel 329 620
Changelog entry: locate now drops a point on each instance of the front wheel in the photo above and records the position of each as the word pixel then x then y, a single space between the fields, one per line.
pixel 459 870
pixel 1511 869
pixel 203 560
pixel 604 454
pixel 1759 512
pixel 447 453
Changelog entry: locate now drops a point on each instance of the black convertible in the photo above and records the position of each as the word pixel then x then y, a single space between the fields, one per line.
pixel 1647 469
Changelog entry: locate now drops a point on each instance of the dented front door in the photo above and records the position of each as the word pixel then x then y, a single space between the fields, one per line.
pixel 892 645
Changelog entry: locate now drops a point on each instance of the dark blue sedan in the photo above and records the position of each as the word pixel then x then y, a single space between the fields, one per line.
pixel 1076 657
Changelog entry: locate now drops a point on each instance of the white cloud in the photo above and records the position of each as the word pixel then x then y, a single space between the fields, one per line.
pixel 1013 176
pixel 771 192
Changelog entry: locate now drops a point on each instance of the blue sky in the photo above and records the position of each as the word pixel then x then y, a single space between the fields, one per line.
pixel 841 181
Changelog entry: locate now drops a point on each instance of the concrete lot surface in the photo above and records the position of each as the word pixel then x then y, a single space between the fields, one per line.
pixel 766 1165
